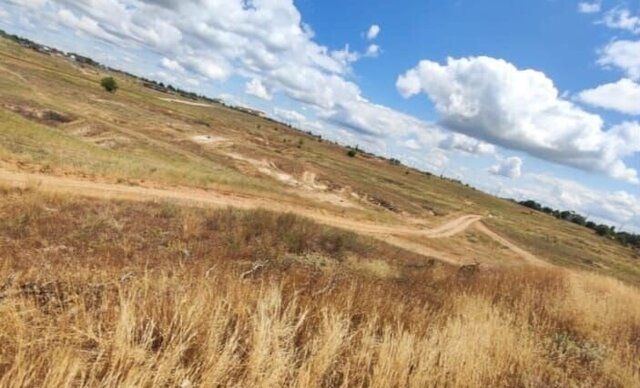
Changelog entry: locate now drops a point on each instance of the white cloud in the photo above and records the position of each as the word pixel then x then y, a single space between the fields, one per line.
pixel 256 88
pixel 31 4
pixel 171 65
pixel 621 18
pixel 623 54
pixel 622 96
pixel 345 56
pixel 211 67
pixel 373 50
pixel 289 116
pixel 490 99
pixel 458 141
pixel 412 144
pixel 373 32
pixel 121 21
pixel 165 77
pixel 84 24
pixel 508 167
pixel 3 14
pixel 587 7
pixel 296 119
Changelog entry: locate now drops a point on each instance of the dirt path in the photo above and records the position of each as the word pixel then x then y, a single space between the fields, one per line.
pixel 392 234
pixel 527 256
pixel 453 227
pixel 187 102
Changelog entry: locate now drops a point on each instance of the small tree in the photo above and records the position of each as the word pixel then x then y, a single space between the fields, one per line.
pixel 109 84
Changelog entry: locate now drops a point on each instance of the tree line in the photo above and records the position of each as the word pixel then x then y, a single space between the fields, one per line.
pixel 626 238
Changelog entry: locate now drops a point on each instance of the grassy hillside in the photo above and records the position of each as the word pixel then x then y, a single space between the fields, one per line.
pixel 137 136
pixel 97 292
pixel 121 264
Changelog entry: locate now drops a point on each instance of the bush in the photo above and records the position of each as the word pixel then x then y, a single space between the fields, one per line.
pixel 109 84
pixel 351 153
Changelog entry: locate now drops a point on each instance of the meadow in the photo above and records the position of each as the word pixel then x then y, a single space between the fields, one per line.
pixel 115 293
pixel 108 290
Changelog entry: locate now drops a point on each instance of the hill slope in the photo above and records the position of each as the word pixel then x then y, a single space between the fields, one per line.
pixel 56 120
pixel 150 240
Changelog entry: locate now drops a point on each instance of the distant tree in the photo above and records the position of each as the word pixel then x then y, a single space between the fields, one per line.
pixel 578 219
pixel 604 230
pixel 109 84
pixel 566 215
pixel 531 205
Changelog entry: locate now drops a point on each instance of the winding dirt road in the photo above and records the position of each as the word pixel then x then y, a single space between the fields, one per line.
pixel 453 227
pixel 392 234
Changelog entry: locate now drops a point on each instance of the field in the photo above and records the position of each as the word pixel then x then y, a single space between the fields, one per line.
pixel 150 242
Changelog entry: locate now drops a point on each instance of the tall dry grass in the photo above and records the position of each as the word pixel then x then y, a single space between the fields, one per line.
pixel 119 294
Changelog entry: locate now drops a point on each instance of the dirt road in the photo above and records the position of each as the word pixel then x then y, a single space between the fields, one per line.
pixel 527 256
pixel 392 234
pixel 187 102
pixel 453 227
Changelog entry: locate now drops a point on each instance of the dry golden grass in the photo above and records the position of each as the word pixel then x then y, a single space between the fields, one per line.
pixel 139 294
pixel 106 293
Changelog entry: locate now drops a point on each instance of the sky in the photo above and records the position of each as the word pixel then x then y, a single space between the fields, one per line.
pixel 530 99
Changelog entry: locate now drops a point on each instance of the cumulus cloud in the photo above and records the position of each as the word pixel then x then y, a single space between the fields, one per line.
pixel 124 22
pixel 172 65
pixel 289 116
pixel 508 167
pixel 31 4
pixel 256 88
pixel 208 66
pixel 85 25
pixel 412 144
pixel 345 56
pixel 622 54
pixel 490 99
pixel 295 118
pixel 373 32
pixel 587 7
pixel 460 142
pixel 623 19
pixel 622 96
pixel 373 50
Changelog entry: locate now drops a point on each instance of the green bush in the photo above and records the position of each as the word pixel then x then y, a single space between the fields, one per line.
pixel 109 84
pixel 351 153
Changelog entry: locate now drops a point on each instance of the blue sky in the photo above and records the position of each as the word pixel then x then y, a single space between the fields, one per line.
pixel 529 99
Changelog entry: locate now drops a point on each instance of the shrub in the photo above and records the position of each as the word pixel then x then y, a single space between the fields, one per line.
pixel 351 153
pixel 109 84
